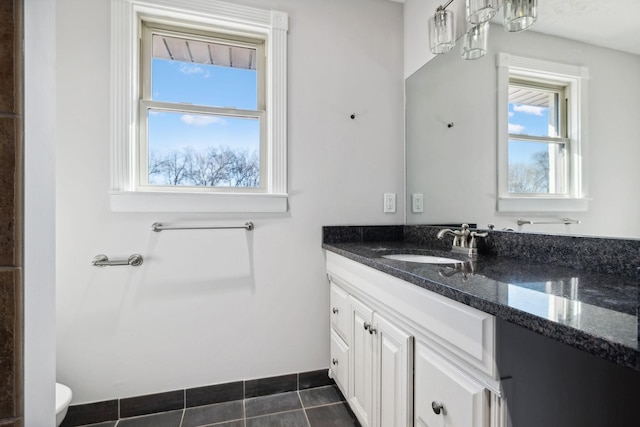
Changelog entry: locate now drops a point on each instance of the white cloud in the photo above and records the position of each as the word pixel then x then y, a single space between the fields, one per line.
pixel 193 69
pixel 190 119
pixel 514 128
pixel 529 109
pixel 511 113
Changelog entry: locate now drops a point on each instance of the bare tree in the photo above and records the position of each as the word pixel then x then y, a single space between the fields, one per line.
pixel 217 167
pixel 171 169
pixel 530 177
pixel 246 170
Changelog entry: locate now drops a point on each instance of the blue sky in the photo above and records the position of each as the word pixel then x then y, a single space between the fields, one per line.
pixel 527 120
pixel 201 84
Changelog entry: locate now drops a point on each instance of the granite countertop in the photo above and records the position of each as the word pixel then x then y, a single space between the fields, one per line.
pixel 592 311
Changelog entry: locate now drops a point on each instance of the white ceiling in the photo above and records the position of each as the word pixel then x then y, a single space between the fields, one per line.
pixel 614 24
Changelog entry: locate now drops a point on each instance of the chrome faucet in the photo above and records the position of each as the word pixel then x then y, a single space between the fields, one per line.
pixel 464 241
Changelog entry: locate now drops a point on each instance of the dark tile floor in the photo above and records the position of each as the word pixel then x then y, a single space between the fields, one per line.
pixel 315 407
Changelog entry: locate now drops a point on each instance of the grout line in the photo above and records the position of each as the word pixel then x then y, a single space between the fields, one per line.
pixel 184 412
pixel 275 413
pixel 244 410
pixel 300 399
pixel 304 409
pixel 325 404
pixel 219 423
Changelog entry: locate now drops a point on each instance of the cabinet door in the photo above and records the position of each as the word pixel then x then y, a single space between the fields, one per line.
pixel 340 362
pixel 361 362
pixel 463 402
pixel 340 311
pixel 393 374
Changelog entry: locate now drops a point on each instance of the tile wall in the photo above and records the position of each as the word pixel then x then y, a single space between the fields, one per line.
pixel 11 295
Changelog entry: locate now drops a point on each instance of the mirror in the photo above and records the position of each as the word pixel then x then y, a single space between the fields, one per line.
pixel 451 132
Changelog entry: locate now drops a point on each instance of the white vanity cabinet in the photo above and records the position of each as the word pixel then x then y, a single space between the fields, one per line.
pixel 415 357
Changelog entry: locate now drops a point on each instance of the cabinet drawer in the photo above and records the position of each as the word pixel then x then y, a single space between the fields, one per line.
pixel 340 362
pixel 340 311
pixel 462 401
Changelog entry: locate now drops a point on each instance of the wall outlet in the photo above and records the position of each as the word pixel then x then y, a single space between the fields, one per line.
pixel 389 202
pixel 417 203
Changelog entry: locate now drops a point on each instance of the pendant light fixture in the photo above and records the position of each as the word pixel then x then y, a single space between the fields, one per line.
pixel 442 34
pixel 518 16
pixel 474 42
pixel 480 11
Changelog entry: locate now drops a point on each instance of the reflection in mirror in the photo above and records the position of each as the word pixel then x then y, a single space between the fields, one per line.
pixel 455 167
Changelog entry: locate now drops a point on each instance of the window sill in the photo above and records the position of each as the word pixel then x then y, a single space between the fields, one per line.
pixel 539 204
pixel 136 201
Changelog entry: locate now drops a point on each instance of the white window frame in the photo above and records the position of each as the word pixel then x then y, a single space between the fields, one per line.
pixel 214 16
pixel 574 78
pixel 147 103
pixel 557 116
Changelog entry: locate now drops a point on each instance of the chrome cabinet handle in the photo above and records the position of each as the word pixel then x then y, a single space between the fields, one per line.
pixel 334 362
pixel 334 310
pixel 437 407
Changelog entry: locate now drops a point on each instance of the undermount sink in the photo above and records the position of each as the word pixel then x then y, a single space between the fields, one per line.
pixel 424 259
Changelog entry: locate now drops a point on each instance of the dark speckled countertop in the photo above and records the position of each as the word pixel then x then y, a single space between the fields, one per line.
pixel 590 310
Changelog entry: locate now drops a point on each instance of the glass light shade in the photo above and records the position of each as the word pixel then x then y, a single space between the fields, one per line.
pixel 480 11
pixel 475 41
pixel 441 31
pixel 519 14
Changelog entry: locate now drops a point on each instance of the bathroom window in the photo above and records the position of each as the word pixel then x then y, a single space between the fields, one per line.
pixel 539 142
pixel 541 136
pixel 199 107
pixel 202 111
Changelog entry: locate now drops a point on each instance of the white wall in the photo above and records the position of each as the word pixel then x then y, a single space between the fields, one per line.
pixel 39 214
pixel 215 306
pixel 456 168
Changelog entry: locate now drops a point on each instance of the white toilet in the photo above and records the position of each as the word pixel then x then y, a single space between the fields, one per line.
pixel 63 399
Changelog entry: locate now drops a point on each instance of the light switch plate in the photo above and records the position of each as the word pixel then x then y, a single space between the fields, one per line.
pixel 389 202
pixel 417 203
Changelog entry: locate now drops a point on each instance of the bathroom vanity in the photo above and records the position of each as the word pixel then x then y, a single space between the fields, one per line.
pixel 495 341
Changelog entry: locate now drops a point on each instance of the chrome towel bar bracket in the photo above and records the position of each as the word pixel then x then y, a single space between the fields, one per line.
pixel 158 226
pixel 134 260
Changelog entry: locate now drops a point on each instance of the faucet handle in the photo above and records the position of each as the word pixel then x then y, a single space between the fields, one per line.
pixel 478 234
pixel 475 234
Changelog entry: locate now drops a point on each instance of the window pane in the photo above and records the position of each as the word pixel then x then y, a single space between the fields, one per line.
pixel 533 112
pixel 536 167
pixel 203 73
pixel 188 149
